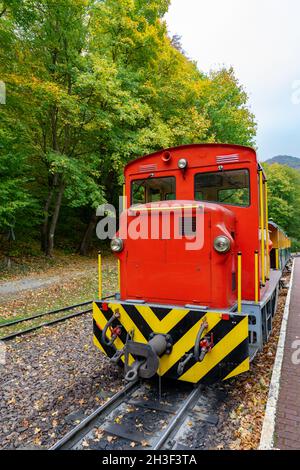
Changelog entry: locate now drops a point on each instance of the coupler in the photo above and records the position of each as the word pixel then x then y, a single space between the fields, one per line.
pixel 147 362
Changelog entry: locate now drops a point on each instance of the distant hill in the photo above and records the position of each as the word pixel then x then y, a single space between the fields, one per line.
pixel 292 162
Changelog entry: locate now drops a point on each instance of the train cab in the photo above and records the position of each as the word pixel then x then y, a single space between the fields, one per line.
pixel 224 181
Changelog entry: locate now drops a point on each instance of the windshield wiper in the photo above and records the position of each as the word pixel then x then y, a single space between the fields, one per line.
pixel 143 182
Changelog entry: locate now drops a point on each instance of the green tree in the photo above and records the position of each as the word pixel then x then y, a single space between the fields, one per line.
pixel 224 102
pixel 15 198
pixel 94 84
pixel 65 96
pixel 284 197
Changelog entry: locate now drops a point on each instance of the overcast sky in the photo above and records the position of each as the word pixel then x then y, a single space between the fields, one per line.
pixel 261 40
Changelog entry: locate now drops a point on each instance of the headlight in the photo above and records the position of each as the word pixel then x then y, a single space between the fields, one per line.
pixel 116 245
pixel 182 163
pixel 222 244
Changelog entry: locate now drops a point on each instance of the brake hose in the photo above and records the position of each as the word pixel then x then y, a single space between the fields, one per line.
pixel 197 355
pixel 103 335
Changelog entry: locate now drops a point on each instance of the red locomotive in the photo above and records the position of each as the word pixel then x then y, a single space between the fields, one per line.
pixel 196 300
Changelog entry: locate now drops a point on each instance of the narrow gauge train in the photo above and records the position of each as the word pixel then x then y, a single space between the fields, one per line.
pixel 195 315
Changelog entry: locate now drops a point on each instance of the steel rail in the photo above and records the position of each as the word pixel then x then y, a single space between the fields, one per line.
pixel 51 322
pixel 38 315
pixel 51 312
pixel 88 423
pixel 177 419
pixel 41 325
pixel 73 438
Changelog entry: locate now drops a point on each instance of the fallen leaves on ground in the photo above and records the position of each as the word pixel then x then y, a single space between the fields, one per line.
pixel 118 419
pixel 98 433
pixel 74 286
pixel 249 393
pixel 85 443
pixel 43 396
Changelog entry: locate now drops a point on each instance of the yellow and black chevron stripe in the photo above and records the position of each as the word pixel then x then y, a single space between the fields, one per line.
pixel 228 357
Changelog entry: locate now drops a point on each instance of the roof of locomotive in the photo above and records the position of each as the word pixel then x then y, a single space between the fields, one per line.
pixel 192 146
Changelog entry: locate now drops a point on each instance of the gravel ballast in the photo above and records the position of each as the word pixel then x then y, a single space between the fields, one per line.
pixel 51 379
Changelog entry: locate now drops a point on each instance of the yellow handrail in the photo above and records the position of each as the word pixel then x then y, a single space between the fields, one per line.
pixel 124 198
pixel 277 258
pixel 163 208
pixel 99 275
pixel 267 230
pixel 239 286
pixel 262 227
pixel 256 277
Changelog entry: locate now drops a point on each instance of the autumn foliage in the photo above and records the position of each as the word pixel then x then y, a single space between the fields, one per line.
pixel 91 85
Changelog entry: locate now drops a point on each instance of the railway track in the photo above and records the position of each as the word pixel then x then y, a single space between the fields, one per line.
pixel 139 417
pixel 33 318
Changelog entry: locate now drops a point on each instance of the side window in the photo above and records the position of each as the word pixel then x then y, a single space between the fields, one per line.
pixel 226 187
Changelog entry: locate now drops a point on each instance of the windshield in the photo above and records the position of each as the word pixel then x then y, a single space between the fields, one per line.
pixel 228 187
pixel 153 190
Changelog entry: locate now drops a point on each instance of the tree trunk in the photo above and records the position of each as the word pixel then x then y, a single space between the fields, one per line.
pixel 44 227
pixel 54 219
pixel 86 239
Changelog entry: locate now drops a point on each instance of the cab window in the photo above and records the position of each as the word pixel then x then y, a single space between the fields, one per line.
pixel 153 190
pixel 225 187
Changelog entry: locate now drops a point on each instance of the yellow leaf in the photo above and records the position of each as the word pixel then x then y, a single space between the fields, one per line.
pixel 118 419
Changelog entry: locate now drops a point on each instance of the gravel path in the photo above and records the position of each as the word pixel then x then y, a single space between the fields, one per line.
pixel 11 289
pixel 14 287
pixel 48 377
